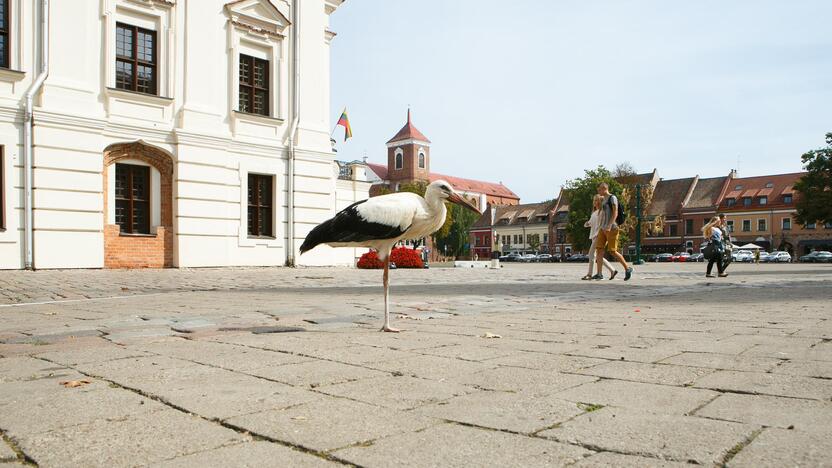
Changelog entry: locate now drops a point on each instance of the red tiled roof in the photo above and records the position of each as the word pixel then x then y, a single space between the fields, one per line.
pixel 476 186
pixel 761 186
pixel 409 131
pixel 734 194
pixel 379 169
pixel 460 184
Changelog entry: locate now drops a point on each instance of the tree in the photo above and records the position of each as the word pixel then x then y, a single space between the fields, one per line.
pixel 534 242
pixel 815 188
pixel 461 220
pixel 580 203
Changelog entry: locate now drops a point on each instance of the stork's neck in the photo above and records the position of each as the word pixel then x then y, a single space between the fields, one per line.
pixel 435 203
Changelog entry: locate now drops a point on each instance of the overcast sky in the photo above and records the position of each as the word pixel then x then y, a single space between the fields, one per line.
pixel 531 93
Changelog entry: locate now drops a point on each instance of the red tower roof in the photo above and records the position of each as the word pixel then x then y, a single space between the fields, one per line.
pixel 409 132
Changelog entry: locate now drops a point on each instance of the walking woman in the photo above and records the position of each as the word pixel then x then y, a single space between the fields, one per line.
pixel 594 225
pixel 715 249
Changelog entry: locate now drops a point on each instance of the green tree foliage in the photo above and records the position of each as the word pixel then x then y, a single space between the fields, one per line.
pixel 580 203
pixel 815 201
pixel 461 220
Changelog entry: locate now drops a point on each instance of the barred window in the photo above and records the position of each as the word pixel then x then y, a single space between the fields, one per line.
pixel 133 198
pixel 260 205
pixel 136 59
pixel 254 85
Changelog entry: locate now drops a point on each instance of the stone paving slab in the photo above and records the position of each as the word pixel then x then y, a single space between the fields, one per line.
pixel 663 374
pixel 786 413
pixel 639 433
pixel 331 423
pixel 724 361
pixel 645 397
pixel 460 446
pixel 249 455
pixel 617 460
pixel 516 412
pixel 147 438
pixel 767 384
pixel 776 448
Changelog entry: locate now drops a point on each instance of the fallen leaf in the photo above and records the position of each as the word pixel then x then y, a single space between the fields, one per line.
pixel 490 335
pixel 75 383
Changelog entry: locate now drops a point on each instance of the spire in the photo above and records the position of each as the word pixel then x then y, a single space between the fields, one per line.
pixel 409 131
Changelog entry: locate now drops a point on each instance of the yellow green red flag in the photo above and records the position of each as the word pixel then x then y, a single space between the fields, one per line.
pixel 344 121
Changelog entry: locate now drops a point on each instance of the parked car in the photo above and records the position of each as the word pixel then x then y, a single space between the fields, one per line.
pixel 818 256
pixel 512 257
pixel 664 257
pixel 527 258
pixel 743 256
pixel 578 258
pixel 764 257
pixel 682 257
pixel 697 257
pixel 544 257
pixel 780 257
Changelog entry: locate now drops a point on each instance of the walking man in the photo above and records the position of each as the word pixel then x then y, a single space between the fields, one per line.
pixel 608 234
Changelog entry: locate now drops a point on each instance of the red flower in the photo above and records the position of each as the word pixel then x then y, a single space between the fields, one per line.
pixel 403 257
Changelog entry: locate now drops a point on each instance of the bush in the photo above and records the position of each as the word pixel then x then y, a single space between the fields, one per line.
pixel 403 257
pixel 370 261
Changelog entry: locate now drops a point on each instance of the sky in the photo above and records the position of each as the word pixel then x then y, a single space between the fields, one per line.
pixel 531 93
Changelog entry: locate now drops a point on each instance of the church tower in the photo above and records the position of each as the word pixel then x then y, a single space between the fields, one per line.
pixel 408 155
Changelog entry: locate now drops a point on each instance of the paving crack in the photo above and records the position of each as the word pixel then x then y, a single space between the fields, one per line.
pixel 735 450
pixel 22 457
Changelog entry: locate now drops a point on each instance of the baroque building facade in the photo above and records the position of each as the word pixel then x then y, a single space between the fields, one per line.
pixel 167 133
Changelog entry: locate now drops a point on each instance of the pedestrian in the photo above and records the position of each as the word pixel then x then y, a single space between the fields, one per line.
pixel 727 244
pixel 608 231
pixel 715 249
pixel 594 225
pixel 757 256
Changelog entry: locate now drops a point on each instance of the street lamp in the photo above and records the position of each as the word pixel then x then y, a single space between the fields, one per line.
pixel 638 260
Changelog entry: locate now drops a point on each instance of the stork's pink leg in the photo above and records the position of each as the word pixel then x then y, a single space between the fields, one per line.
pixel 386 326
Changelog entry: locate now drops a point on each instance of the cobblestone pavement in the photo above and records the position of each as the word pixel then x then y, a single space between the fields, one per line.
pixel 523 366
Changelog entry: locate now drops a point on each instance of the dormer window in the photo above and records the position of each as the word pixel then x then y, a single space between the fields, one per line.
pixel 787 199
pixel 763 200
pixel 738 187
pixel 731 202
pixel 770 185
pixel 746 201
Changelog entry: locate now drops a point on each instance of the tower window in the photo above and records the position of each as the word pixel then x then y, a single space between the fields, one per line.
pixel 399 161
pixel 421 160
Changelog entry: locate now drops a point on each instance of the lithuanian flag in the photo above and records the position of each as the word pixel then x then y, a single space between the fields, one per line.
pixel 344 121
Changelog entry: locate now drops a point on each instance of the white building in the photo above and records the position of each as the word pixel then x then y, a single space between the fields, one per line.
pixel 167 133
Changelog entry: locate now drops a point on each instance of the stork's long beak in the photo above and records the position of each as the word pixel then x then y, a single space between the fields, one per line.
pixel 456 198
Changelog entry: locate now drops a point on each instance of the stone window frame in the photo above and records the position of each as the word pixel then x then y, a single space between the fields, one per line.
pixel 3 197
pixel 783 223
pixel 744 222
pixel 152 15
pixel 398 159
pixel 762 224
pixel 261 38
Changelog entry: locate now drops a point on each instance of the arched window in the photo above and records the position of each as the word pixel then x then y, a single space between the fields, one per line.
pixel 399 160
pixel 421 160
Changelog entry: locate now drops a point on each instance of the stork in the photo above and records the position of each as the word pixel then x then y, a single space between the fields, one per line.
pixel 380 222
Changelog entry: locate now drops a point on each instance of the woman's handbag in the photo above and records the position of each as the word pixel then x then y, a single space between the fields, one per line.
pixel 713 250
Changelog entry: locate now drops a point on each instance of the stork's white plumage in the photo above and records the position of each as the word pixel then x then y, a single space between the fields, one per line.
pixel 381 222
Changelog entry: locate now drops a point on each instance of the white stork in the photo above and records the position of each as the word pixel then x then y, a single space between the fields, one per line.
pixel 380 222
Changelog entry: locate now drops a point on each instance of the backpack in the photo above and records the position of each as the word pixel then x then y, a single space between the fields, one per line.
pixel 622 210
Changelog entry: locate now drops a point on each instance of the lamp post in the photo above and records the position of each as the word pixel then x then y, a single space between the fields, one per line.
pixel 638 226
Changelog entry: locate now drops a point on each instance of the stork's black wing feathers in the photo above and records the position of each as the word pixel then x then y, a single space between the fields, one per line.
pixel 349 226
